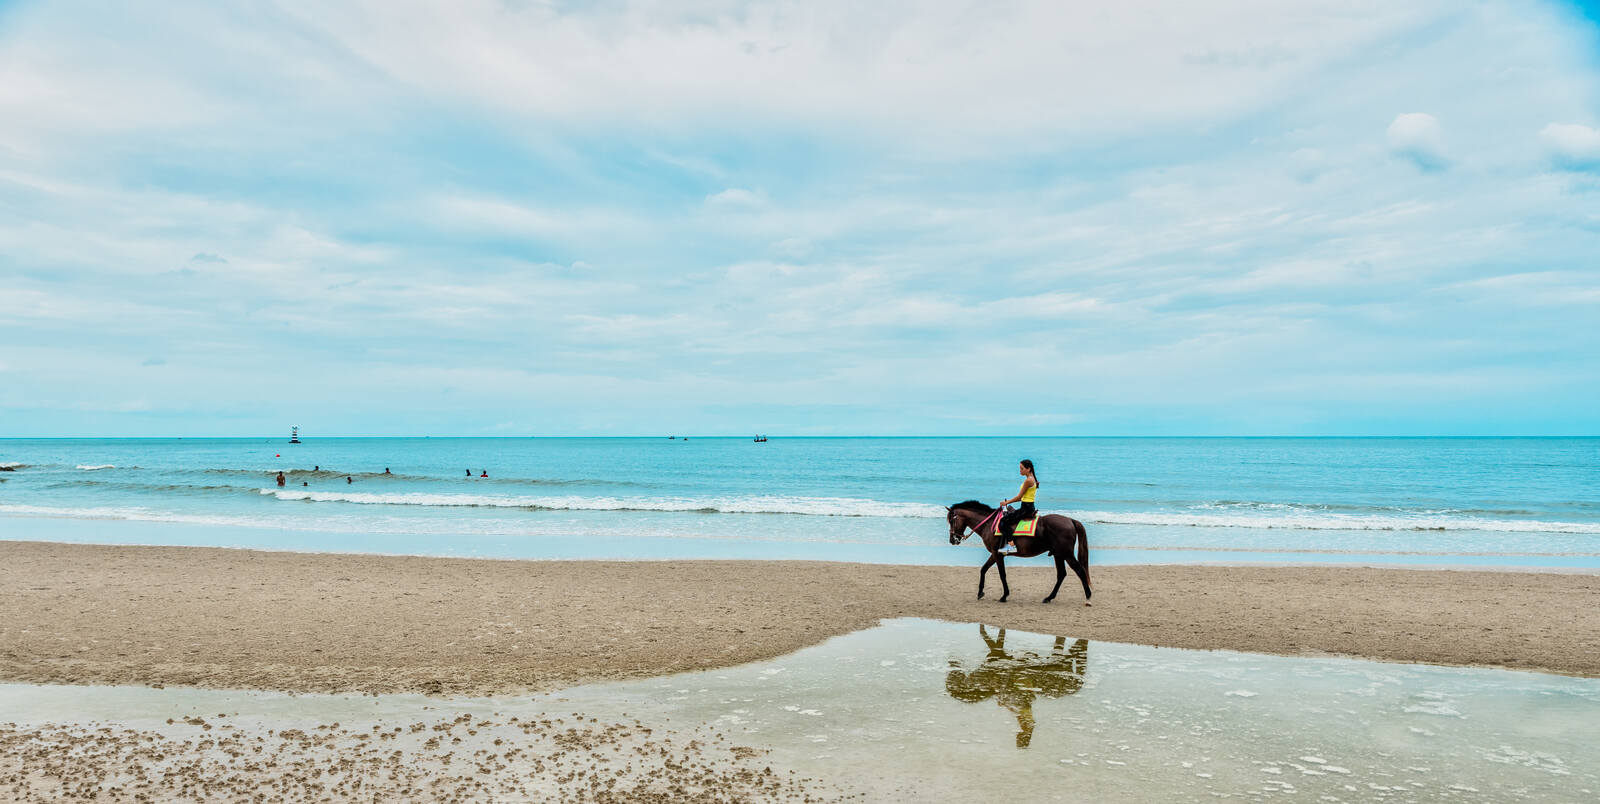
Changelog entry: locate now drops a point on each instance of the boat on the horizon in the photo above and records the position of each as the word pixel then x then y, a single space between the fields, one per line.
pixel 760 439
pixel 294 434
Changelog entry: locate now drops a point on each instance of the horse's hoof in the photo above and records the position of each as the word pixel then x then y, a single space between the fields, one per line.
pixel 1086 604
pixel 980 595
pixel 1002 600
pixel 1048 599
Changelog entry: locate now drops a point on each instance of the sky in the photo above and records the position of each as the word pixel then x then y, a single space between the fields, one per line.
pixel 799 218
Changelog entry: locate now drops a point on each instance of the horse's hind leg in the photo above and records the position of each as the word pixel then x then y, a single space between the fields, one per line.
pixel 1083 575
pixel 1005 588
pixel 984 573
pixel 1061 573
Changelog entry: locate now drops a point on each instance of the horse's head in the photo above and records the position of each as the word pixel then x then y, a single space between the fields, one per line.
pixel 965 516
pixel 957 529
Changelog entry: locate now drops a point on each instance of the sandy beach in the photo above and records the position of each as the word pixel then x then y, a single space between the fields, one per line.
pixel 219 618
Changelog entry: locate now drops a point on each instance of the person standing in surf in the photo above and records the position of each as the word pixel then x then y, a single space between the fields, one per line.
pixel 1025 495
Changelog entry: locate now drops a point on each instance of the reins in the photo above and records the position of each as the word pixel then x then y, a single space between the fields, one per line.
pixel 978 529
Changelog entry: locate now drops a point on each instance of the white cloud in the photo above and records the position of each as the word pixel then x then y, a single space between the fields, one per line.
pixel 845 192
pixel 736 198
pixel 1417 136
pixel 1308 163
pixel 929 72
pixel 792 248
pixel 1572 146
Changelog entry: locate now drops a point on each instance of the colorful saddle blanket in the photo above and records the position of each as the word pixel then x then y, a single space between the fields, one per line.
pixel 1025 527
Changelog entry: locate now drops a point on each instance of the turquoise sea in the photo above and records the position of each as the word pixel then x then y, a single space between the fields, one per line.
pixel 1528 502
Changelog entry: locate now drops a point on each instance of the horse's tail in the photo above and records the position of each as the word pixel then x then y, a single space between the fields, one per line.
pixel 1083 549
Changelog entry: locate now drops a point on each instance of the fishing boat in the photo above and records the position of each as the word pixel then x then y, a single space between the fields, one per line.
pixel 760 439
pixel 294 434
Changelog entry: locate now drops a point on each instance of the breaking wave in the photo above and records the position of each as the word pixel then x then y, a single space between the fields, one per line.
pixel 810 506
pixel 1292 519
pixel 94 467
pixel 1288 518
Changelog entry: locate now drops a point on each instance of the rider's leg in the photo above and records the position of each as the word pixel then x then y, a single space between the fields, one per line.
pixel 1008 524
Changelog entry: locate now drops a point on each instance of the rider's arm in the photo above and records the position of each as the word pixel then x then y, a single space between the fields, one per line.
pixel 1017 498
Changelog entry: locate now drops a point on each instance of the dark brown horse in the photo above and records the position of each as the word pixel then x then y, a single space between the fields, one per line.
pixel 1054 534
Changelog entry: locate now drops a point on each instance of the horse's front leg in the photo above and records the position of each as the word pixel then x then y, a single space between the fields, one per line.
pixel 1005 588
pixel 984 573
pixel 1061 574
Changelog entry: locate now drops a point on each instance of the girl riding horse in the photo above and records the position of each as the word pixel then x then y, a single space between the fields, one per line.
pixel 1025 495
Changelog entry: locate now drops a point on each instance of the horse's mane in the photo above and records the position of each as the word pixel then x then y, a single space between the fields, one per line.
pixel 972 505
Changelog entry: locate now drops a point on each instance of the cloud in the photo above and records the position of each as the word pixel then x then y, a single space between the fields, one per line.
pixel 1417 136
pixel 792 248
pixel 736 198
pixel 1571 146
pixel 928 74
pixel 1308 163
pixel 1111 202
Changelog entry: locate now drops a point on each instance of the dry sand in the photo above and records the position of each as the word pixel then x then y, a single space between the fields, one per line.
pixel 88 614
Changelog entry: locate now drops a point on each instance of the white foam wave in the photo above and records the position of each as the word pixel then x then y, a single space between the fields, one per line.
pixel 93 467
pixel 73 513
pixel 1277 519
pixel 12 465
pixel 137 514
pixel 1304 520
pixel 365 525
pixel 811 506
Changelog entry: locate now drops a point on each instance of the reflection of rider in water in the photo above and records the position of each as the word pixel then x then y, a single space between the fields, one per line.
pixel 1015 680
pixel 1025 511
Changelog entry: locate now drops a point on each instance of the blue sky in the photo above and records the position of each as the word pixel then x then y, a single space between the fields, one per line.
pixel 525 218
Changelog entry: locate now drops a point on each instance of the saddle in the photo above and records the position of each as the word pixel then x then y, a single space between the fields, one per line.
pixel 1025 527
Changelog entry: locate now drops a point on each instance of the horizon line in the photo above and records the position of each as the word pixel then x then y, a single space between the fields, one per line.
pixel 306 439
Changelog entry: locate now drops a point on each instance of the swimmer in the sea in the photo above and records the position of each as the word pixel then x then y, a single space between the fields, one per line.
pixel 280 480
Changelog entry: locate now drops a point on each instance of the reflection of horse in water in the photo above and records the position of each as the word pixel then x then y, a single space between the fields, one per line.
pixel 1015 679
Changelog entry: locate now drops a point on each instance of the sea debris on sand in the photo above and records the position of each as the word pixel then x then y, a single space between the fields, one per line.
pixel 461 759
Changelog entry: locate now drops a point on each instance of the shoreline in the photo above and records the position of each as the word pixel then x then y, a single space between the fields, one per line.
pixel 157 533
pixel 340 622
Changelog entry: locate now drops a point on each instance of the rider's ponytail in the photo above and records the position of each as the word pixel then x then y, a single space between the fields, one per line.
pixel 1031 473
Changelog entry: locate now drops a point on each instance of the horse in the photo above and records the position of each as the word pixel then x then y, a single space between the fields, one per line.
pixel 1054 534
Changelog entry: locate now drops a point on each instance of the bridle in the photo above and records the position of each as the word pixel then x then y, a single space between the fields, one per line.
pixel 978 528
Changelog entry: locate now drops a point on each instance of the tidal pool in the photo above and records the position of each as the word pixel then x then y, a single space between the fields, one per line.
pixel 944 711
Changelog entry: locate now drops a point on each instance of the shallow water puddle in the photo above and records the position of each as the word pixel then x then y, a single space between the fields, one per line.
pixel 949 711
pixel 956 711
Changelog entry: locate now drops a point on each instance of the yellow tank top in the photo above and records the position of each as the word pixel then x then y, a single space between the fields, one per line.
pixel 1027 493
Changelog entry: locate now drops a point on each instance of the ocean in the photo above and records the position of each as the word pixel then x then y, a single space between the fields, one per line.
pixel 1514 502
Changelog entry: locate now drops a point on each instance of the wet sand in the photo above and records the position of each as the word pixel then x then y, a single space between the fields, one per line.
pixel 460 758
pixel 89 614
